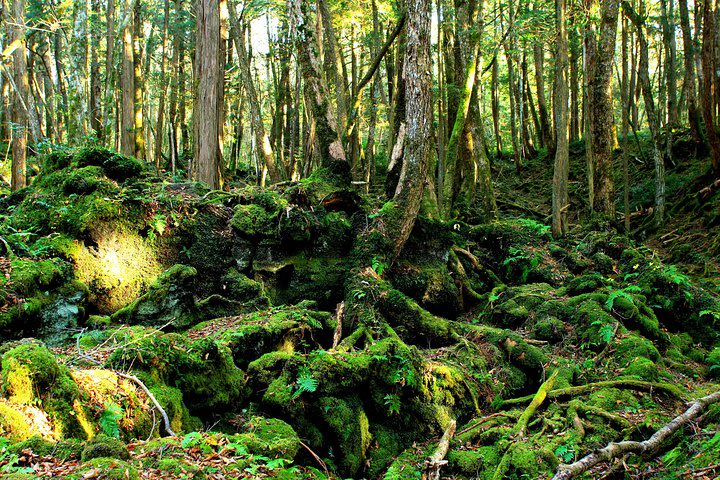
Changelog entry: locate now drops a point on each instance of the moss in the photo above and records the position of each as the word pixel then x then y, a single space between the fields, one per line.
pixel 549 329
pixel 613 399
pixel 30 276
pixel 111 468
pixel 264 370
pixel 68 448
pixel 633 346
pixel 643 368
pixel 36 444
pixel 83 181
pixel 27 369
pixel 13 423
pixel 347 420
pixel 56 160
pixel 603 263
pixel 253 220
pixel 473 462
pixel 269 437
pixel 171 400
pixel 169 300
pixel 713 361
pixel 92 156
pixel 121 168
pixel 586 283
pixel 103 446
pixel 179 468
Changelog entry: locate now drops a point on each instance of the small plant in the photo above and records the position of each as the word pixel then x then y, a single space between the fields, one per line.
pixel 622 293
pixel 109 419
pixel 565 451
pixel 392 402
pixel 305 383
pixel 538 228
pixel 378 265
pixel 605 330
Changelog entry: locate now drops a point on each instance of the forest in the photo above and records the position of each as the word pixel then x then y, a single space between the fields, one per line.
pixel 360 239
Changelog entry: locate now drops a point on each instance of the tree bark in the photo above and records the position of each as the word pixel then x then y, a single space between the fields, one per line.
pixel 331 149
pixel 418 118
pixel 690 86
pixel 652 113
pixel 207 126
pixel 20 104
pixel 560 201
pixel 261 136
pixel 709 81
pixel 127 85
pixel 600 107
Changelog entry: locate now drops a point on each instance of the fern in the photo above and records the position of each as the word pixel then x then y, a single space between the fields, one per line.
pixel 109 419
pixel 622 293
pixel 305 383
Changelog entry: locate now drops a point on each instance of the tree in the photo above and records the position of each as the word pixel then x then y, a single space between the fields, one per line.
pixel 208 73
pixel 652 113
pixel 600 55
pixel 127 83
pixel 560 201
pixel 710 83
pixel 20 103
pixel 418 121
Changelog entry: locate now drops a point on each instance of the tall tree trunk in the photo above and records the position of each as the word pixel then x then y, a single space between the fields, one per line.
pixel 625 98
pixel 670 44
pixel 127 85
pixel 110 72
pixel 418 120
pixel 159 126
pixel 545 127
pixel 601 108
pixel 138 81
pixel 652 113
pixel 326 129
pixel 206 166
pixel 709 81
pixel 261 136
pixel 560 201
pixel 20 103
pixel 495 106
pixel 690 86
pixel 575 85
pixel 95 88
pixel 334 63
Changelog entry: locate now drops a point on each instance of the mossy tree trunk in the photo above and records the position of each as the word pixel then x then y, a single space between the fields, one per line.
pixel 600 107
pixel 261 137
pixel 127 84
pixel 709 81
pixel 316 91
pixel 20 103
pixel 418 119
pixel 560 201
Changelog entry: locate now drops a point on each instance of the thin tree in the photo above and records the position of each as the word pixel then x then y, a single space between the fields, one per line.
pixel 560 201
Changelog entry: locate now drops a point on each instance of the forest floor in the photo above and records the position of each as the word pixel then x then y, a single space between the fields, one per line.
pixel 159 330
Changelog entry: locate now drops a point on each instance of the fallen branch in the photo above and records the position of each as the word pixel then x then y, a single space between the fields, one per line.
pixel 166 419
pixel 318 459
pixel 435 461
pixel 671 390
pixel 647 447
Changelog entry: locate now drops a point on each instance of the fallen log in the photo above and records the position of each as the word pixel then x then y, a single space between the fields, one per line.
pixel 646 448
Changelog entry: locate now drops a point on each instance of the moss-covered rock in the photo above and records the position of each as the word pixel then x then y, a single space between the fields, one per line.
pixel 169 300
pixel 109 468
pixel 104 446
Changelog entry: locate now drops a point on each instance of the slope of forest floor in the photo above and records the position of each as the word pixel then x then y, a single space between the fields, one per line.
pixel 159 330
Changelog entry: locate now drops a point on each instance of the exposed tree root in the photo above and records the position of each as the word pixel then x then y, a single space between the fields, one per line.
pixel 647 447
pixel 522 424
pixel 587 388
pixel 435 461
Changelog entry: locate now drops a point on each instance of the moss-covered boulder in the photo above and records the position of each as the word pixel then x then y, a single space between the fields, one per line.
pixel 104 446
pixel 169 300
